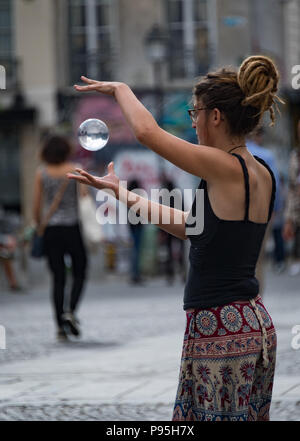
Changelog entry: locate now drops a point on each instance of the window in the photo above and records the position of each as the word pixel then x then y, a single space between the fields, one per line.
pixel 90 35
pixel 188 38
pixel 6 43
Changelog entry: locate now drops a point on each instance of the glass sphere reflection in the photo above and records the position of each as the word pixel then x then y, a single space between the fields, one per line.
pixel 93 134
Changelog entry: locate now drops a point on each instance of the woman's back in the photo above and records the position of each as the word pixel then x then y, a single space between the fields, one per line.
pixel 224 255
pixel 52 177
pixel 228 200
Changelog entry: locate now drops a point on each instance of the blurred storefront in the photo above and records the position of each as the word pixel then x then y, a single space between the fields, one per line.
pixel 46 45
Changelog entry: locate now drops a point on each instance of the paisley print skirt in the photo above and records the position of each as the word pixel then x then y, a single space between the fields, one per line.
pixel 228 362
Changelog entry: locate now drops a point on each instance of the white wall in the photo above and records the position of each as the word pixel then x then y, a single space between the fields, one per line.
pixel 35 48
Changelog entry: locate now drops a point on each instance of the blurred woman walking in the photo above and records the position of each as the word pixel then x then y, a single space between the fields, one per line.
pixel 62 234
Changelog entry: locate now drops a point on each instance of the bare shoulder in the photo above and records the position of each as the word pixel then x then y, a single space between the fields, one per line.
pixel 260 178
pixel 231 174
pixel 227 196
pixel 221 167
pixel 258 170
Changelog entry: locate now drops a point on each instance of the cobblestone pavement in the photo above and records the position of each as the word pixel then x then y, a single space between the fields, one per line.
pixel 116 316
pixel 87 412
pixel 281 411
pixel 110 314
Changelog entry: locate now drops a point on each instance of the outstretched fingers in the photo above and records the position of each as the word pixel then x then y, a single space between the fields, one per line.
pixel 85 88
pixel 88 80
pixel 83 177
pixel 110 168
pixel 92 84
pixel 85 174
pixel 77 178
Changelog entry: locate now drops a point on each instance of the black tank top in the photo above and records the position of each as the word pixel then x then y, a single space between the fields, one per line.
pixel 223 257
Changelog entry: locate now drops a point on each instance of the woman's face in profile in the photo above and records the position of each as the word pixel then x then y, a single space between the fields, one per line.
pixel 200 122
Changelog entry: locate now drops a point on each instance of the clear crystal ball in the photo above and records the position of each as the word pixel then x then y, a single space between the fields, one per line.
pixel 93 134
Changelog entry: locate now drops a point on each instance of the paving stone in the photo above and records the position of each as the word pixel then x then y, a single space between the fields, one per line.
pixel 116 317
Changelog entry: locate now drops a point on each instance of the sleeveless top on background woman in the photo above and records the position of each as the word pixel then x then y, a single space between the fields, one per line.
pixel 223 257
pixel 67 211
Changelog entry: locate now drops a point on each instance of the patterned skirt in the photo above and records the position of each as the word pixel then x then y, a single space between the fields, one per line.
pixel 228 363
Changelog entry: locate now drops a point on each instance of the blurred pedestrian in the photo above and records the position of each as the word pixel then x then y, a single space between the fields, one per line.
pixel 174 259
pixel 279 253
pixel 62 235
pixel 8 245
pixel 229 348
pixel 136 232
pixel 292 214
pixel 256 148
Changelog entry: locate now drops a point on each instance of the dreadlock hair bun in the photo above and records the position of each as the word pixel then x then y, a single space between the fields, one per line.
pixel 258 78
pixel 242 96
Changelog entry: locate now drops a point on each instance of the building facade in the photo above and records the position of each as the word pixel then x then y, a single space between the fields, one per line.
pixel 45 45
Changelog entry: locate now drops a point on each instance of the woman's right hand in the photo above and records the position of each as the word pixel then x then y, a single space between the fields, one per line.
pixel 109 181
pixel 105 87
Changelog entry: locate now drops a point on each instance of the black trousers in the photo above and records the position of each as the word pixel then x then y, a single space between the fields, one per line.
pixel 59 241
pixel 296 249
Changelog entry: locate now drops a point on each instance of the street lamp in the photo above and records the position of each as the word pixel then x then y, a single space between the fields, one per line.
pixel 156 50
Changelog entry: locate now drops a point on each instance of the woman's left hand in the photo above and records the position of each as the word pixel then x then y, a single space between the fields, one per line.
pixel 106 87
pixel 108 182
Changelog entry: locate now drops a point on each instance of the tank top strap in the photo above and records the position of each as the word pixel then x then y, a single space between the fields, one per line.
pixel 246 178
pixel 202 184
pixel 273 184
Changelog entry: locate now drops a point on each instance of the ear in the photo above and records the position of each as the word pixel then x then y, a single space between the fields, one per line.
pixel 217 117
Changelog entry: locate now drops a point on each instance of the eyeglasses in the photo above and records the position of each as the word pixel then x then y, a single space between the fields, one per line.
pixel 194 113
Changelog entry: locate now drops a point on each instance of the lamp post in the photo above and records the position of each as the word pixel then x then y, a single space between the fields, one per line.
pixel 156 50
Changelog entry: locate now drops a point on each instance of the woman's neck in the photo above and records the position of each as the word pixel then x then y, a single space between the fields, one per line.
pixel 229 143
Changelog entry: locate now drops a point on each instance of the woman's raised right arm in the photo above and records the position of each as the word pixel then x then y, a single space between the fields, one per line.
pixel 208 163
